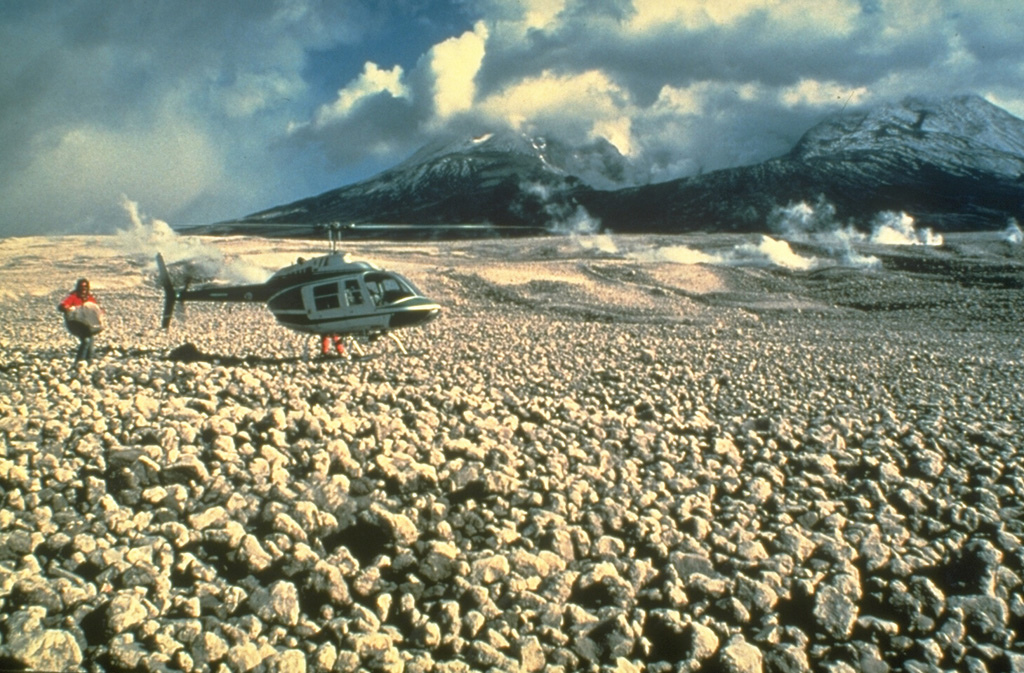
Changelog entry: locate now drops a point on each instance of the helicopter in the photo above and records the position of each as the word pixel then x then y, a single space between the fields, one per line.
pixel 328 296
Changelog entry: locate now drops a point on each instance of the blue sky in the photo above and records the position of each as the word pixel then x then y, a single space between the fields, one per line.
pixel 204 111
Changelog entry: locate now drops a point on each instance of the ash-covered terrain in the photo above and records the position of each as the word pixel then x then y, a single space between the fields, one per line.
pixel 602 457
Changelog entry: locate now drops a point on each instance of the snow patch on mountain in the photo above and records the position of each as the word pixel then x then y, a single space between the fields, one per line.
pixel 597 164
pixel 963 131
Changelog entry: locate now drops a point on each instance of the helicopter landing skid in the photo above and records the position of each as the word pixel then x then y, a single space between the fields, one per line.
pixel 389 335
pixel 398 342
pixel 354 350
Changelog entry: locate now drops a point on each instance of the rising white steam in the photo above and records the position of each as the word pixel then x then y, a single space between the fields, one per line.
pixel 767 253
pixel 850 257
pixel 891 228
pixel 817 224
pixel 563 217
pixel 770 252
pixel 805 223
pixel 802 222
pixel 1012 234
pixel 147 236
pixel 578 221
pixel 598 243
pixel 676 254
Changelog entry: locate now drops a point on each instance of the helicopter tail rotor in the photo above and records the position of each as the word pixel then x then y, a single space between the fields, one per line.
pixel 170 295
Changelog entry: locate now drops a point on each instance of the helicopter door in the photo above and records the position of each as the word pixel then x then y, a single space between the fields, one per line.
pixel 354 297
pixel 326 297
pixel 334 299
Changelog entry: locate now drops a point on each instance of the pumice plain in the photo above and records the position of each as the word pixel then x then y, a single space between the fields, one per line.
pixel 607 454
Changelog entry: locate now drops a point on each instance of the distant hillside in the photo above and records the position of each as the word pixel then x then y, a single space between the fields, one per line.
pixel 954 164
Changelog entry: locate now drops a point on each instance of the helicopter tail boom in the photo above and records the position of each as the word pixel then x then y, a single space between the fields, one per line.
pixel 258 292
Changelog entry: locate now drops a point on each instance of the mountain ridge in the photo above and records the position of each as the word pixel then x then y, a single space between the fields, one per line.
pixel 955 163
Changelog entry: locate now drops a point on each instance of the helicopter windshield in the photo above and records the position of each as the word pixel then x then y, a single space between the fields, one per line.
pixel 387 288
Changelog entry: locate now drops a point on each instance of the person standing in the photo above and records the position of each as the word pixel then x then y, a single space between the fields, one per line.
pixel 83 318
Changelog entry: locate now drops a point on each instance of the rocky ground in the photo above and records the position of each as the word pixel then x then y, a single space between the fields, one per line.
pixel 595 460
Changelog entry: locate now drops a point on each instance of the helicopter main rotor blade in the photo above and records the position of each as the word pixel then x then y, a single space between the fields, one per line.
pixel 170 296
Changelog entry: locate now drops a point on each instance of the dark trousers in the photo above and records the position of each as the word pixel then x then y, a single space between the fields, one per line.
pixel 85 348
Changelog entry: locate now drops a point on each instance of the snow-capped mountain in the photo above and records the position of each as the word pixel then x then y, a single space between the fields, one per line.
pixel 597 164
pixel 952 164
pixel 965 131
pixel 505 179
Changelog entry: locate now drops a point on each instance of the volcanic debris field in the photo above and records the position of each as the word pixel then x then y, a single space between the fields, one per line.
pixel 594 460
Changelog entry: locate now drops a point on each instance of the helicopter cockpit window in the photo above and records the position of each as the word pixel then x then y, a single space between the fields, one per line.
pixel 353 295
pixel 387 288
pixel 325 297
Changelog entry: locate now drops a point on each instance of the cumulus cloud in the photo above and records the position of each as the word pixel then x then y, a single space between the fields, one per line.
pixel 388 112
pixel 836 17
pixel 540 103
pixel 454 64
pixel 215 110
pixel 372 115
pixel 371 83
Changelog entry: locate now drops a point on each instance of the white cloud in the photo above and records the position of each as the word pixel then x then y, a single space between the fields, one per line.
pixel 454 64
pixel 371 82
pixel 575 104
pixel 541 13
pixel 525 15
pixel 617 131
pixel 813 92
pixel 675 101
pixel 832 18
pixel 837 17
pixel 899 18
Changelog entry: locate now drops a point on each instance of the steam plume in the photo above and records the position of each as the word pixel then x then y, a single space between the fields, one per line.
pixel 801 222
pixel 562 216
pixel 676 254
pixel 1012 234
pixel 767 252
pixel 146 236
pixel 817 224
pixel 891 228
pixel 597 242
pixel 770 252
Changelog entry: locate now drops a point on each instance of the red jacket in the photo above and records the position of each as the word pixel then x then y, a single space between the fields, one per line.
pixel 73 300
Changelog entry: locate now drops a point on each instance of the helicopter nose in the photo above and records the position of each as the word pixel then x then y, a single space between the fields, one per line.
pixel 419 313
